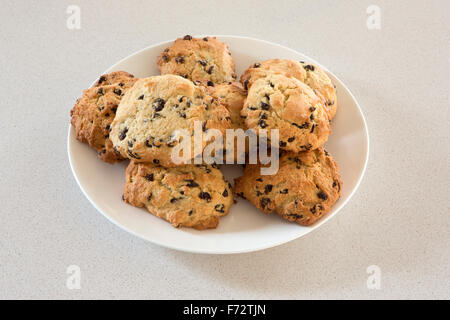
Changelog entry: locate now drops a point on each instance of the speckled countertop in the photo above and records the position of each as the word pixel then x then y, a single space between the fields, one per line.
pixel 398 220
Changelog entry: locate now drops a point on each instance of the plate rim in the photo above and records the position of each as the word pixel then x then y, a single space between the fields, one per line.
pixel 247 250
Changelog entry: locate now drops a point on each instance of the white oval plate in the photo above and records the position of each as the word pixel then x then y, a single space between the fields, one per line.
pixel 244 229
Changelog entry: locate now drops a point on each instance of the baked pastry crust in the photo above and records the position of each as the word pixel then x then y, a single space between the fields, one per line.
pixel 155 109
pixel 286 104
pixel 189 196
pixel 305 187
pixel 309 74
pixel 94 112
pixel 196 59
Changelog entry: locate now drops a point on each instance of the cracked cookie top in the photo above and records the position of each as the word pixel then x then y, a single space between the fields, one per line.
pixel 194 196
pixel 153 112
pixel 196 59
pixel 94 112
pixel 286 104
pixel 305 187
pixel 309 74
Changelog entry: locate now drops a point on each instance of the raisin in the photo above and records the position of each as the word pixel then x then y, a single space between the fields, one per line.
pixel 225 193
pixel 312 109
pixel 330 103
pixel 191 183
pixel 100 91
pixel 305 125
pixel 309 67
pixel 149 197
pixel 190 212
pixel 148 144
pixel 123 134
pixel 114 109
pixel 316 207
pixel 257 65
pixel 258 193
pixel 133 155
pixel 336 183
pixel 311 117
pixel 265 106
pixel 264 202
pixel 130 144
pixel 141 97
pixel 284 191
pixel 205 196
pixel 101 80
pixel 294 215
pixel 322 195
pixel 299 162
pixel 263 116
pixel 291 139
pixel 210 70
pixel 121 84
pixel 312 128
pixel 118 92
pixel 182 115
pixel 246 84
pixel 205 39
pixel 268 188
pixel 187 37
pixel 262 124
pixel 149 177
pixel 172 143
pixel 306 147
pixel 259 179
pixel 173 200
pixel 220 208
pixel 155 161
pixel 179 59
pixel 158 104
pixel 210 84
pixel 283 144
pixel 271 84
pixel 251 108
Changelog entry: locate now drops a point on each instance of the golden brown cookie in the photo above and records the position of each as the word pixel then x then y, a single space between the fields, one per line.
pixel 286 104
pixel 115 77
pixel 310 74
pixel 189 196
pixel 94 112
pixel 305 187
pixel 205 59
pixel 155 110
